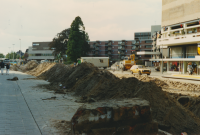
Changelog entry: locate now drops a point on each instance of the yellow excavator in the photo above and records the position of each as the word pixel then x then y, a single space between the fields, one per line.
pixel 127 63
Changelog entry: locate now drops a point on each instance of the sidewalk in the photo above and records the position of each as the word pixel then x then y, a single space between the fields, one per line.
pixel 180 76
pixel 27 110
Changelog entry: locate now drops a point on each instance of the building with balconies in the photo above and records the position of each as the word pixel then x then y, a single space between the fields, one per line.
pixel 179 40
pixel 114 49
pixel 40 51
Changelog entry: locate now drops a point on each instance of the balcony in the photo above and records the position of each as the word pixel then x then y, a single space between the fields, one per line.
pixel 96 49
pixel 96 53
pixel 109 48
pixel 110 43
pixel 122 53
pixel 123 43
pixel 97 44
pixel 123 49
pixel 109 53
pixel 181 36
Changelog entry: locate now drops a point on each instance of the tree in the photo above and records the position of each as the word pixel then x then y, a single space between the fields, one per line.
pixel 25 56
pixel 1 55
pixel 77 45
pixel 10 55
pixel 59 43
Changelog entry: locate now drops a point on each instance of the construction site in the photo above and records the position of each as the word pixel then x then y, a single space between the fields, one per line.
pixel 115 103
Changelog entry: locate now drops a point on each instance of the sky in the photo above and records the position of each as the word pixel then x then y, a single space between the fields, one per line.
pixel 40 20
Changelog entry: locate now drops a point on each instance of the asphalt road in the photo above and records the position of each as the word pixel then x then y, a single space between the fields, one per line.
pixel 15 116
pixel 28 110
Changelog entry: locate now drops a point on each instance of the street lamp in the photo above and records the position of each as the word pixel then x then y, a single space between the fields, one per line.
pixel 13 52
pixel 9 53
pixel 20 49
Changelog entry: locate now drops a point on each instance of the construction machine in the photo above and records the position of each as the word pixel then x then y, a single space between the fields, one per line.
pixel 127 63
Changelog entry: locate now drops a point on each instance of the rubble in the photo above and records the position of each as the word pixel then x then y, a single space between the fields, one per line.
pixel 130 116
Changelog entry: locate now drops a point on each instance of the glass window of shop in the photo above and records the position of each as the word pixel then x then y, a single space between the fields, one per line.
pixel 176 66
pixel 176 52
pixel 191 51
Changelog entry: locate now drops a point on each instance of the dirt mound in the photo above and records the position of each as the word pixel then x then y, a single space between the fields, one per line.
pixel 57 73
pixel 41 68
pixel 23 68
pixel 89 82
pixel 15 68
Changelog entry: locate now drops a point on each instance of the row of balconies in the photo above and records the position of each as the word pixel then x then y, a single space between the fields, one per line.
pixel 123 43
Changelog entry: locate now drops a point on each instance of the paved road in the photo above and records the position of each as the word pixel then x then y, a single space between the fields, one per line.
pixel 15 116
pixel 26 110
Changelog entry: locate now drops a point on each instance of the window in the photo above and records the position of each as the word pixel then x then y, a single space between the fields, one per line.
pixel 148 41
pixel 148 46
pixel 101 60
pixel 35 44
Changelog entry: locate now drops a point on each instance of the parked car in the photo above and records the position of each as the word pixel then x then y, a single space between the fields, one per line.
pixel 56 61
pixel 42 61
pixel 6 61
pixel 140 69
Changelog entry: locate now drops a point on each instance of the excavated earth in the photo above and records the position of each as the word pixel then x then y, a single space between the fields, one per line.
pixel 174 112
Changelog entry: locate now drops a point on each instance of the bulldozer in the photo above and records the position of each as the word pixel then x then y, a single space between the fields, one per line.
pixel 127 63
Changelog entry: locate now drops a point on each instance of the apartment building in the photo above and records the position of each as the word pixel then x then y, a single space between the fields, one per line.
pixel 40 51
pixel 145 45
pixel 179 40
pixel 114 49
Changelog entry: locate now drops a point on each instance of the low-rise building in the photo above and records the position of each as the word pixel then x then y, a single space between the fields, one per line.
pixel 40 51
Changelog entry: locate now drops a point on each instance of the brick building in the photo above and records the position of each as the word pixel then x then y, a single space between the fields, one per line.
pixel 115 49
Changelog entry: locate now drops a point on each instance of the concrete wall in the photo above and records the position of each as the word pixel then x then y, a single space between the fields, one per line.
pixel 177 11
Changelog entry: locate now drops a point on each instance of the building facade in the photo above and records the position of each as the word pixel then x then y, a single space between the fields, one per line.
pixel 40 51
pixel 114 49
pixel 145 45
pixel 179 39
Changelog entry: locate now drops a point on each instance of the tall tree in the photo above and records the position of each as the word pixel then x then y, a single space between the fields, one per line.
pixel 77 45
pixel 1 55
pixel 59 43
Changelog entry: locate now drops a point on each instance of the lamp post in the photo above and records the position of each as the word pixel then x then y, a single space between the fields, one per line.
pixel 13 52
pixel 162 58
pixel 20 49
pixel 9 53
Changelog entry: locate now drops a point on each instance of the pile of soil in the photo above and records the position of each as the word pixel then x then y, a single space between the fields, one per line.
pixel 28 66
pixel 41 68
pixel 89 82
pixel 56 73
pixel 15 68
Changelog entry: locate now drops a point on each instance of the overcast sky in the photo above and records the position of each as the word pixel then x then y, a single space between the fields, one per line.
pixel 40 20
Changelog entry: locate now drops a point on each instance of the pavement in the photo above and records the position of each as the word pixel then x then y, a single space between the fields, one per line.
pixel 29 110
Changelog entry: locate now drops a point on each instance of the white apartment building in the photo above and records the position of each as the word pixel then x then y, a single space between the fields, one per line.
pixel 180 36
pixel 40 51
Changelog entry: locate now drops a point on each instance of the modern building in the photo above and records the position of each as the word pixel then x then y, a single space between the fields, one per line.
pixel 179 40
pixel 146 44
pixel 40 51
